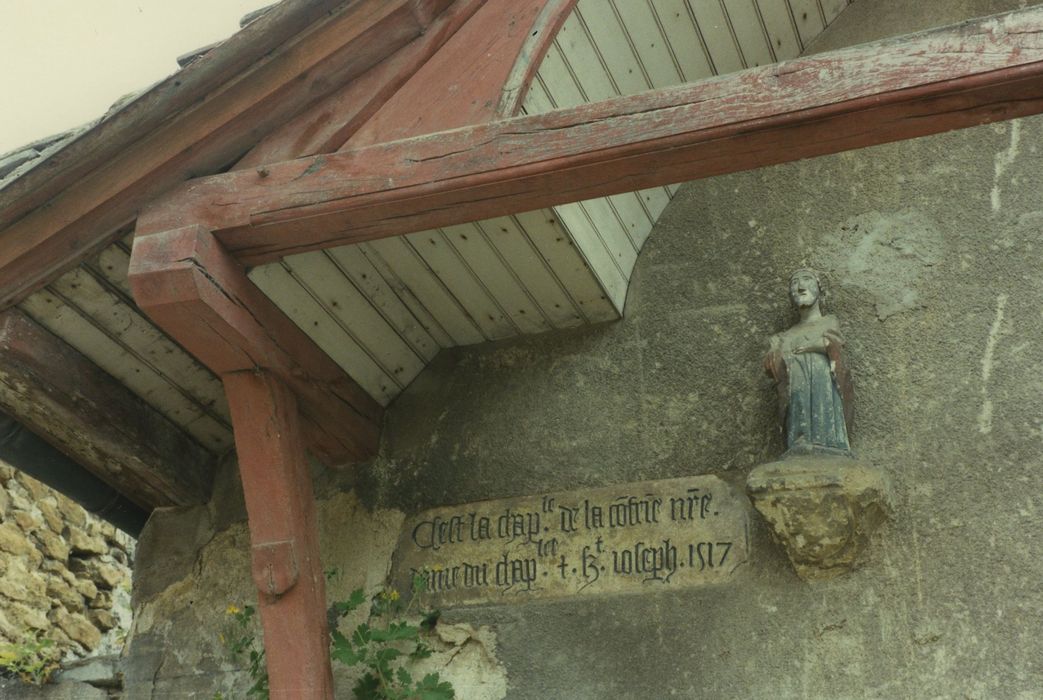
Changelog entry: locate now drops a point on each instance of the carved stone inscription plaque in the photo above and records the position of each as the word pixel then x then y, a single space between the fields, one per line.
pixel 646 536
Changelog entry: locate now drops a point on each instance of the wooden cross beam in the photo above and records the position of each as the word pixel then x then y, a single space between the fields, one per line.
pixel 68 400
pixel 965 75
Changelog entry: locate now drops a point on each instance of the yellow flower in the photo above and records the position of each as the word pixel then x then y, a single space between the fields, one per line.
pixel 436 568
pixel 232 610
pixel 393 595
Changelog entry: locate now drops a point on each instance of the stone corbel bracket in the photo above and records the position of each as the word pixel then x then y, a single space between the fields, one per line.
pixel 822 510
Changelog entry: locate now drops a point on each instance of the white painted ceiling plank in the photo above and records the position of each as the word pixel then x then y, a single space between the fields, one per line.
pixel 654 201
pixel 422 283
pixel 626 73
pixel 561 85
pixel 310 317
pixel 648 42
pixel 584 60
pixel 113 263
pixel 517 249
pixel 746 24
pixel 537 99
pixel 556 247
pixel 210 433
pixel 613 232
pixel 632 214
pixel 597 255
pixel 480 306
pixel 613 45
pixel 355 314
pixel 807 14
pixel 406 296
pixel 496 276
pixel 779 24
pixel 50 311
pixel 683 39
pixel 354 264
pixel 717 32
pixel 832 8
pixel 111 313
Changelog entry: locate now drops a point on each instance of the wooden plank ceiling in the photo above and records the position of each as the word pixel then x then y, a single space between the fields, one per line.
pixel 383 309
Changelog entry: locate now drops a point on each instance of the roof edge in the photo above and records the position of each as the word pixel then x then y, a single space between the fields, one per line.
pixel 52 172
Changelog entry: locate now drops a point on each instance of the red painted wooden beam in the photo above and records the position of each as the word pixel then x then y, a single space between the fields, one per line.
pixel 197 121
pixel 538 41
pixel 186 282
pixel 464 82
pixel 470 66
pixel 970 74
pixel 283 534
pixel 325 127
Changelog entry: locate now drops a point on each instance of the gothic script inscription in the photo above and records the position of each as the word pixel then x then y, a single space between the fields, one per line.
pixel 635 537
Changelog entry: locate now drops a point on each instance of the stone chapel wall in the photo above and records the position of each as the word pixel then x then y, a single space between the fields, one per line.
pixel 931 252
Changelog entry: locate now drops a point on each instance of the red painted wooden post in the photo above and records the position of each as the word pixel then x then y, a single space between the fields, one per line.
pixel 195 291
pixel 283 532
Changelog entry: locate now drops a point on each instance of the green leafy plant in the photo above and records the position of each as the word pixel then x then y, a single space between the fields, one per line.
pixel 382 646
pixel 240 641
pixel 33 660
pixel 385 646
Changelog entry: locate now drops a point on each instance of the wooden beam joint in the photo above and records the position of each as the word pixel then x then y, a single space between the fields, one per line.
pixel 197 293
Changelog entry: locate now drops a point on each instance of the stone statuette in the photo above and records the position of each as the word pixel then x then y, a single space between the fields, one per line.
pixel 821 503
pixel 816 399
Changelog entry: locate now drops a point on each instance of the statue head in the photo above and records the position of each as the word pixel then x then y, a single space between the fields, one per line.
pixel 805 288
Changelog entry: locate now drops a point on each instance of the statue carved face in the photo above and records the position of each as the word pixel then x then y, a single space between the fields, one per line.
pixel 804 290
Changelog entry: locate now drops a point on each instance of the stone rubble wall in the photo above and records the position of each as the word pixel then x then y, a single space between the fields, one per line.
pixel 64 574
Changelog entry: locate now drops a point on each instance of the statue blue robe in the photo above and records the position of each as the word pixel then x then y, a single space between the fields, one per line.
pixel 815 389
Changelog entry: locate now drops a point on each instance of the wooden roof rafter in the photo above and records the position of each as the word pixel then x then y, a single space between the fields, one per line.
pixel 415 90
pixel 62 396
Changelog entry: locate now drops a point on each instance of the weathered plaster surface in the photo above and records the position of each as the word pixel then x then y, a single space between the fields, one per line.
pixel 197 564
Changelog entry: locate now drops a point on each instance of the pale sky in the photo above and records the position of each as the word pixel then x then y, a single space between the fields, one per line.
pixel 64 62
